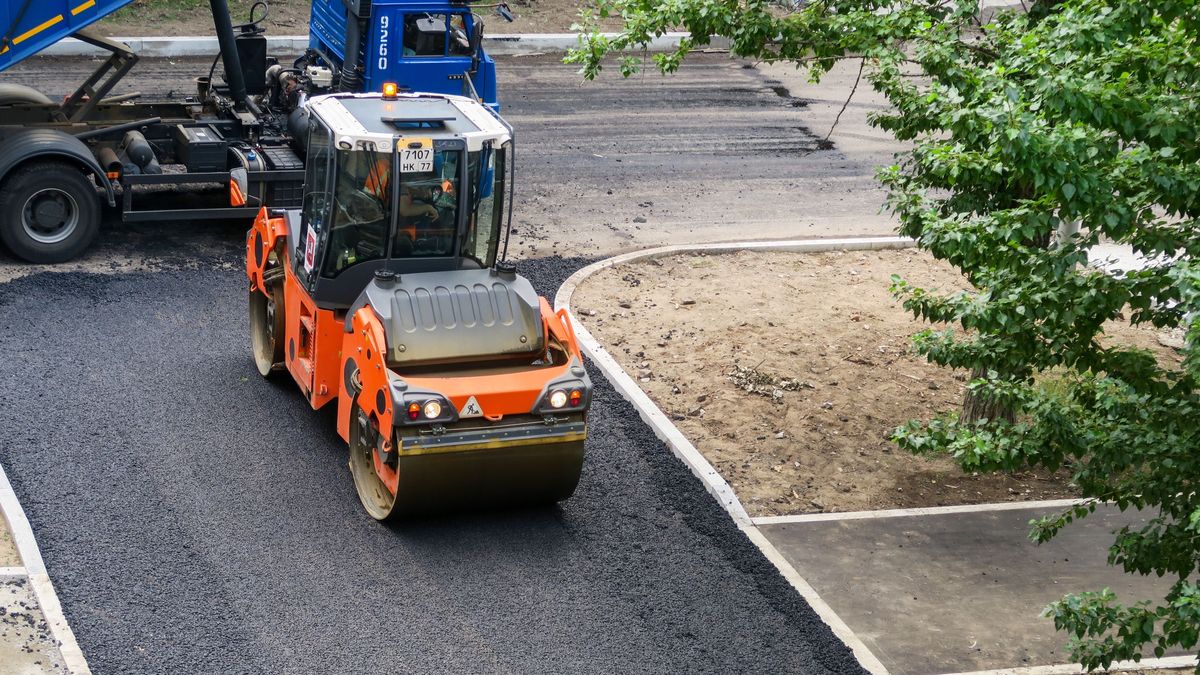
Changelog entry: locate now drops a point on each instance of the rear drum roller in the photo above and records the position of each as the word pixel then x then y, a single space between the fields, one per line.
pixel 374 495
pixel 49 212
pixel 266 325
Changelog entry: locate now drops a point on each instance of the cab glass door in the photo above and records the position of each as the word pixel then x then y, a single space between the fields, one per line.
pixel 436 52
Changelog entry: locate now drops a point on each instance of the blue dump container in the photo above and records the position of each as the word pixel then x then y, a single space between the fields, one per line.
pixel 29 26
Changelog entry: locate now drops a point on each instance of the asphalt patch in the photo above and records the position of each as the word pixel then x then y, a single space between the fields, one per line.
pixel 196 518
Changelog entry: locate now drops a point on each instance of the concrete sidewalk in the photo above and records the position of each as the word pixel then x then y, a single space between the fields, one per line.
pixel 955 590
pixel 206 45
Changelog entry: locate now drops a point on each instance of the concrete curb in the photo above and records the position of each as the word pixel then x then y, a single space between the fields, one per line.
pixel 918 512
pixel 39 580
pixel 683 448
pixel 203 45
pixel 1167 662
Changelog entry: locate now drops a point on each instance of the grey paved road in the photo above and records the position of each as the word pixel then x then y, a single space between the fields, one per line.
pixel 959 592
pixel 199 519
pixel 718 152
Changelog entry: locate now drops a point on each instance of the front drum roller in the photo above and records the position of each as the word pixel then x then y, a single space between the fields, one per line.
pixel 435 483
pixel 266 324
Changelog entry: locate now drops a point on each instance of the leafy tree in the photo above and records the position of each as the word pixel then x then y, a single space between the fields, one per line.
pixel 1035 136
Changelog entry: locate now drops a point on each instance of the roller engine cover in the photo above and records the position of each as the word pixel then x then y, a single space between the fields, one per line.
pixel 464 315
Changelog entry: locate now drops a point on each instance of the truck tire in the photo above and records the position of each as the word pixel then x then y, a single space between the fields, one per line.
pixel 49 212
pixel 18 93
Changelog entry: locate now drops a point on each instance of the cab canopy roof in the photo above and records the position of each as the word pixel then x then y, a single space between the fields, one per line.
pixel 368 117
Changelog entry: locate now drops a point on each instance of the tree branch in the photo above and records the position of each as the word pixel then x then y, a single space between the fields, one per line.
pixel 862 63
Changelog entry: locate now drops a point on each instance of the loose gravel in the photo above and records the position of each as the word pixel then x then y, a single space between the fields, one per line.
pixel 197 518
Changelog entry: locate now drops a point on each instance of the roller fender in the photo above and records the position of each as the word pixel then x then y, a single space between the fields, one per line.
pixel 264 236
pixel 364 354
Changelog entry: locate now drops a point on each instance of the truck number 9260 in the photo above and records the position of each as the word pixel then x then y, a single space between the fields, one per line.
pixel 384 33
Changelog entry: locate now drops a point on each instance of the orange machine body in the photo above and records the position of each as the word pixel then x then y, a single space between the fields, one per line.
pixel 456 385
pixel 321 349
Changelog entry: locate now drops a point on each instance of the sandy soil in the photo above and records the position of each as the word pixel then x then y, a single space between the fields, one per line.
pixel 8 549
pixel 290 17
pixel 824 351
pixel 26 644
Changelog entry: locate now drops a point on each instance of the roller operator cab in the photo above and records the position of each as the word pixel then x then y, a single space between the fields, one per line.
pixel 422 45
pixel 456 385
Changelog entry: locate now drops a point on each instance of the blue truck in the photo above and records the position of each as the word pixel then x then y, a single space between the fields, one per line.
pixel 423 45
pixel 227 149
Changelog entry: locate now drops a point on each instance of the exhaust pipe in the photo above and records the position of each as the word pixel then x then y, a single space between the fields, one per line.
pixel 350 80
pixel 229 54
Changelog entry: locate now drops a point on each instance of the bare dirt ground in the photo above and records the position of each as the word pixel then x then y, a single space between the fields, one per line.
pixel 290 17
pixel 790 371
pixel 8 549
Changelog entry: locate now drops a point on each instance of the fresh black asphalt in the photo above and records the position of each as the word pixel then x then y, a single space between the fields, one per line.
pixel 197 518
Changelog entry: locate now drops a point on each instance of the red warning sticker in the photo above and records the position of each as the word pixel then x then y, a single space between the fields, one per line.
pixel 310 251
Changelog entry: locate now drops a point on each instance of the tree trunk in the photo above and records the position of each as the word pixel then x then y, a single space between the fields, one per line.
pixel 976 407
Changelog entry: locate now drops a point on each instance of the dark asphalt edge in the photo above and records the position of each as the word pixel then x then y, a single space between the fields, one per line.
pixel 53 626
pixel 720 492
pixel 704 515
pixel 165 264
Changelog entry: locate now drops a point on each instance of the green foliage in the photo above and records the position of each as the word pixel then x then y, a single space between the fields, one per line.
pixel 1085 111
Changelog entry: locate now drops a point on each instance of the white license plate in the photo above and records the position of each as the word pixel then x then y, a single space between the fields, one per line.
pixel 419 160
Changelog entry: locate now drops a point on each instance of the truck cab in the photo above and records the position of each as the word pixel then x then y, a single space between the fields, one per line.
pixel 424 45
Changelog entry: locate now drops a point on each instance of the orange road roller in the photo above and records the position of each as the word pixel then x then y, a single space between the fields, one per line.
pixel 457 387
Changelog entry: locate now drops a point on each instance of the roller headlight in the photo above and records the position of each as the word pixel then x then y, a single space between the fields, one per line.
pixel 558 398
pixel 432 410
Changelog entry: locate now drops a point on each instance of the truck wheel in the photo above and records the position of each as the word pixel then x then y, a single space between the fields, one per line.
pixel 18 93
pixel 49 212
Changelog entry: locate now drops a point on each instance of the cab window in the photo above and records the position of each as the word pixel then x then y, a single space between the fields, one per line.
pixel 317 194
pixel 368 205
pixel 486 173
pixel 428 203
pixel 436 34
pixel 361 211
